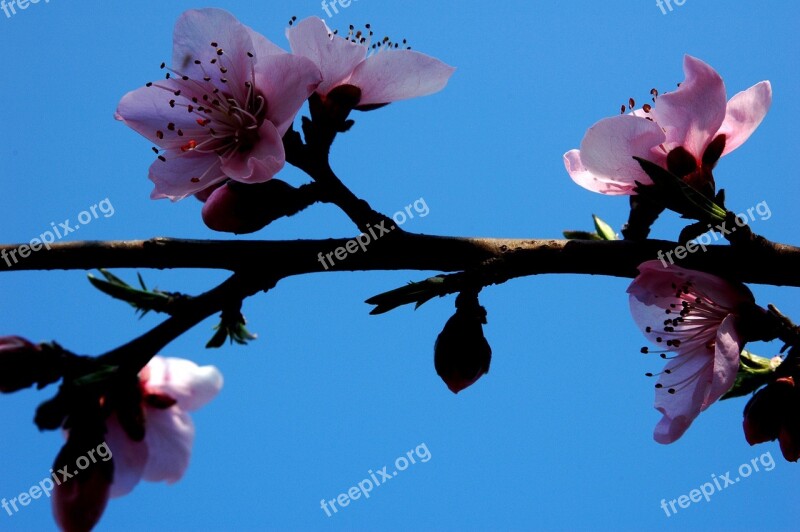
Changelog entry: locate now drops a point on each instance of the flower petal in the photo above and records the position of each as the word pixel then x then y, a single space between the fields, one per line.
pixel 389 76
pixel 335 56
pixel 589 181
pixel 262 162
pixel 727 349
pixel 129 458
pixel 608 148
pixel 689 377
pixel 169 438
pixel 286 81
pixel 183 174
pixel 655 285
pixel 147 111
pixel 692 115
pixel 196 30
pixel 744 113
pixel 191 385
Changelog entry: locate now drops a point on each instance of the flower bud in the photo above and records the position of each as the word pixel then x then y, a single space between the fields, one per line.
pixel 23 364
pixel 461 353
pixel 239 208
pixel 763 414
pixel 80 499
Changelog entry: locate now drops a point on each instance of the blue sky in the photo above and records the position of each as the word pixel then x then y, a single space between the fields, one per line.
pixel 558 436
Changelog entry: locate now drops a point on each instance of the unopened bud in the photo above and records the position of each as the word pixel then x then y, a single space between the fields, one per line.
pixel 80 499
pixel 764 412
pixel 461 353
pixel 239 208
pixel 23 364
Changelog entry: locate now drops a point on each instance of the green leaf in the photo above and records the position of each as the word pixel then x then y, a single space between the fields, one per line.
pixel 101 375
pixel 604 231
pixel 672 192
pixel 754 372
pixel 415 292
pixel 231 326
pixel 143 300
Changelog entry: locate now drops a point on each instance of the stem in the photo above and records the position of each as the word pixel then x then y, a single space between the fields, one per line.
pixel 135 355
pixel 775 264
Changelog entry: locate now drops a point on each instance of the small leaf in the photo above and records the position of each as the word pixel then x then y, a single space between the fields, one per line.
pixel 232 327
pixel 143 300
pixel 672 192
pixel 754 372
pixel 104 373
pixel 603 229
pixel 415 292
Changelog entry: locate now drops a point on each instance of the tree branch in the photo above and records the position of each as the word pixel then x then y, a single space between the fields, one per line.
pixel 774 264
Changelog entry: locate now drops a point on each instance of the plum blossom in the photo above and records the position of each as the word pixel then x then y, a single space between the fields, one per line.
pixel 382 77
pixel 694 318
pixel 223 108
pixel 686 131
pixel 170 388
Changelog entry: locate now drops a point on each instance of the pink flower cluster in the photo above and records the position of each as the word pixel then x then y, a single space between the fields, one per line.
pixel 231 94
pixel 170 389
pixel 696 320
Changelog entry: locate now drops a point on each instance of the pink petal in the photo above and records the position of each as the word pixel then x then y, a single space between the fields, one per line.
pixel 286 81
pixel 727 349
pixel 608 148
pixel 146 110
pixel 169 439
pixel 183 174
pixel 335 56
pixel 389 76
pixel 693 371
pixel 589 181
pixel 194 32
pixel 191 385
pixel 129 458
pixel 649 314
pixel 654 286
pixel 262 46
pixel 744 113
pixel 260 163
pixel 692 115
pixel 700 378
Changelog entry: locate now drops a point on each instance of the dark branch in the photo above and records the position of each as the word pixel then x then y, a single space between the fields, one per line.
pixel 774 264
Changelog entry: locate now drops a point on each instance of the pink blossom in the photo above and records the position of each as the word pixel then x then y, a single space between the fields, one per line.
pixel 679 128
pixel 382 77
pixel 223 108
pixel 164 453
pixel 693 317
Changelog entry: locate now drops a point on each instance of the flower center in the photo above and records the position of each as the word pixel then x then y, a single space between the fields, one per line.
pixel 694 317
pixel 224 118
